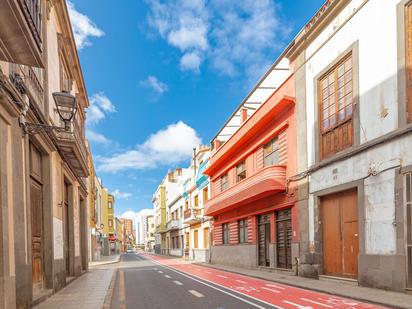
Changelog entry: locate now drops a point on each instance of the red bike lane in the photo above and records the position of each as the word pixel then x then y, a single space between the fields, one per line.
pixel 276 294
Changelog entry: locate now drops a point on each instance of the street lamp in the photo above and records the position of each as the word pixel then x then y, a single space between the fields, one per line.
pixel 66 108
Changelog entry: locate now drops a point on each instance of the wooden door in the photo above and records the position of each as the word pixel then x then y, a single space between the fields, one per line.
pixel 408 212
pixel 196 238
pixel 284 238
pixel 340 234
pixel 206 236
pixel 36 209
pixel 263 240
pixel 66 233
pixel 36 234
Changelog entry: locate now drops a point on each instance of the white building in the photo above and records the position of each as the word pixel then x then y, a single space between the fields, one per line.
pixel 354 103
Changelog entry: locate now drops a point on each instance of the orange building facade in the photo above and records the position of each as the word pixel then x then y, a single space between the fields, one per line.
pixel 252 204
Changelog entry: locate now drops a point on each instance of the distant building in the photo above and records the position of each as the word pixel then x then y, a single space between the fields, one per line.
pixel 150 233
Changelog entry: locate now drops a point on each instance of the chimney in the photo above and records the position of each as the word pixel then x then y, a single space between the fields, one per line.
pixel 243 115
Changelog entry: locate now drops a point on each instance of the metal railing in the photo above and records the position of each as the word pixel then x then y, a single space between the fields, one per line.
pixel 191 212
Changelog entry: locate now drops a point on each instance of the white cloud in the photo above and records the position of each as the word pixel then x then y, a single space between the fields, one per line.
pixel 238 37
pixel 155 84
pixel 190 61
pixel 83 27
pixel 100 106
pixel 121 195
pixel 131 214
pixel 172 145
pixel 96 137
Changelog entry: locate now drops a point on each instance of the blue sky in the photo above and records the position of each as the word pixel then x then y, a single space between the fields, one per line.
pixel 164 76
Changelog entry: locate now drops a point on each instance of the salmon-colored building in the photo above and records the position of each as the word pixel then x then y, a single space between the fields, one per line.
pixel 252 204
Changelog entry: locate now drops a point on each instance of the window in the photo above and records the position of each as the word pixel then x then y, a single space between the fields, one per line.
pixel 225 229
pixel 110 205
pixel 271 153
pixel 243 231
pixel 224 184
pixel 240 171
pixel 196 238
pixel 187 205
pixel 336 108
pixel 181 211
pixel 196 200
pixel 65 81
pixel 206 236
pixel 110 223
pixel 205 194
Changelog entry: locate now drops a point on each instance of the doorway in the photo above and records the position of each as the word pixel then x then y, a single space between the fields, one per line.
pixel 66 229
pixel 264 240
pixel 36 209
pixel 408 212
pixel 284 238
pixel 83 233
pixel 340 234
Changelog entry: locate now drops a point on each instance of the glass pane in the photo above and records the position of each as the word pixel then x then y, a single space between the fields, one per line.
pixel 324 83
pixel 340 92
pixel 325 92
pixel 325 113
pixel 341 103
pixel 332 120
pixel 341 115
pixel 331 110
pixel 331 79
pixel 349 110
pixel 348 64
pixel 341 81
pixel 341 70
pixel 332 100
pixel 325 123
pixel 348 76
pixel 348 87
pixel 332 89
pixel 348 99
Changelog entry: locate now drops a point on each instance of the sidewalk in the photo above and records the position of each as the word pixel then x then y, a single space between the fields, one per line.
pixel 89 291
pixel 371 295
pixel 105 260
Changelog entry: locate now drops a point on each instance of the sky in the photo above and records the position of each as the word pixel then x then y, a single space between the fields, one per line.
pixel 164 76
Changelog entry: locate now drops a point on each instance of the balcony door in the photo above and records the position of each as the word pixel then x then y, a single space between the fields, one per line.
pixel 264 240
pixel 36 207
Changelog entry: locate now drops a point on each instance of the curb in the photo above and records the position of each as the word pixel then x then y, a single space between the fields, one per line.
pixel 336 293
pixel 106 263
pixel 109 294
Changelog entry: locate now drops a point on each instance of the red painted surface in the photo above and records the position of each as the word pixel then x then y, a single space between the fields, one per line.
pixel 264 189
pixel 280 295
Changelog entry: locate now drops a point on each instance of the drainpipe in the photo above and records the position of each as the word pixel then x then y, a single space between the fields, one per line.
pixel 194 160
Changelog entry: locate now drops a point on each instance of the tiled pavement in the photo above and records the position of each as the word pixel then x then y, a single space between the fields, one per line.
pixel 88 291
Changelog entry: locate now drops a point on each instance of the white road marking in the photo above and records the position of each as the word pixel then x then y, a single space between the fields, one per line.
pixel 297 305
pixel 267 289
pixel 221 276
pixel 203 281
pixel 160 272
pixel 208 272
pixel 240 281
pixel 196 293
pixel 315 302
pixel 275 286
pixel 167 276
pixel 177 282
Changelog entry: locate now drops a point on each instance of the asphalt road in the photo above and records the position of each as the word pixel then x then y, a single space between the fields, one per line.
pixel 151 281
pixel 141 283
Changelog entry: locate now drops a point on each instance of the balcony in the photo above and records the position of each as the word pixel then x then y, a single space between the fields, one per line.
pixel 172 225
pixel 192 215
pixel 268 180
pixel 74 150
pixel 28 81
pixel 20 32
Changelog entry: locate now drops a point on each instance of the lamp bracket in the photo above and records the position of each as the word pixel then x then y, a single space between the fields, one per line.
pixel 35 128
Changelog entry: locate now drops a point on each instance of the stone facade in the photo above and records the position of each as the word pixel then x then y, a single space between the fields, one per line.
pixel 43 190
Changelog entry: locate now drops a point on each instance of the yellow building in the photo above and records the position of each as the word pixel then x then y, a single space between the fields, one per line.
pixel 119 235
pixel 108 221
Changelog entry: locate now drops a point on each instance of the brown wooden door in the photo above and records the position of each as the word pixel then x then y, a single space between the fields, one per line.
pixel 66 233
pixel 264 240
pixel 36 210
pixel 284 238
pixel 36 234
pixel 340 234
